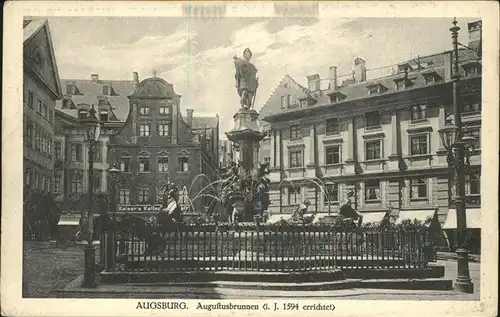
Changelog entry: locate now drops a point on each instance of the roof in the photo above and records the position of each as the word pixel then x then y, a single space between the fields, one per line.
pixel 269 109
pixel 91 91
pixel 205 122
pixel 473 218
pixel 356 91
pixel 30 29
pixel 155 87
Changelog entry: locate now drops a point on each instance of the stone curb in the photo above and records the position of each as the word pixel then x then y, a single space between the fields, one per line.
pixel 453 256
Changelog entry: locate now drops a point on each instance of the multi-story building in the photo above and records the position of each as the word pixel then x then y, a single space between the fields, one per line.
pixel 41 89
pixel 110 100
pixel 377 137
pixel 156 145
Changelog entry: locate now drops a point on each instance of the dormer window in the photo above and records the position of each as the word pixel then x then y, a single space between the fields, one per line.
pixel 375 89
pixel 106 90
pixel 70 89
pixel 66 103
pixel 432 77
pixel 404 68
pixel 402 83
pixel 337 97
pixel 103 116
pixel 82 113
pixel 472 69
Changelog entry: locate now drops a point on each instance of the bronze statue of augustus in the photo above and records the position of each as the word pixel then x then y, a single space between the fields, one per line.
pixel 246 79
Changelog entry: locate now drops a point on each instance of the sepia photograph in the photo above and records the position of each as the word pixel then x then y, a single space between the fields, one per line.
pixel 293 157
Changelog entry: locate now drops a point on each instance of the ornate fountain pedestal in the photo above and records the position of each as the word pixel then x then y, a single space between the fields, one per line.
pixel 246 135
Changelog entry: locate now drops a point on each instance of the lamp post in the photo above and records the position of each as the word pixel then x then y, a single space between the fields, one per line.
pixel 91 128
pixel 452 137
pixel 110 244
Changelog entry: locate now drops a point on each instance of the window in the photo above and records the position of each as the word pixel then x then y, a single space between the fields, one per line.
pixel 372 90
pixel 295 159
pixel 332 126
pixel 144 129
pixel 44 183
pixel 331 193
pixel 70 89
pixel 49 147
pixel 472 70
pixel 103 116
pixel 97 176
pixel 418 145
pixel 372 190
pixel 125 164
pixel 49 184
pixel 43 143
pixel 97 152
pixel 163 164
pixel 294 196
pixel 45 114
pixel 82 114
pixel 183 164
pixel 163 129
pixel 37 180
pixel 106 90
pixel 286 101
pixel 373 150
pixel 473 184
pixel 30 98
pixel 295 132
pixel 418 112
pixel 144 164
pixel 400 84
pixel 37 140
pixel 471 107
pixel 267 159
pixel 143 196
pixel 164 110
pixel 57 150
pixel 76 152
pixel 50 116
pixel 418 188
pixel 475 134
pixel 283 102
pixel 332 154
pixel 76 182
pixel 124 196
pixel 27 177
pixel 29 134
pixel 39 106
pixel 65 103
pixel 57 184
pixel 144 111
pixel 373 119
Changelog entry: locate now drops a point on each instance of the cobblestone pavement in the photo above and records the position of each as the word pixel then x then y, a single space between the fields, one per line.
pixel 46 269
pixel 49 268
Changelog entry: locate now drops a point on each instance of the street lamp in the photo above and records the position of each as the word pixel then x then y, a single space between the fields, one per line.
pixel 91 126
pixel 109 240
pixel 454 141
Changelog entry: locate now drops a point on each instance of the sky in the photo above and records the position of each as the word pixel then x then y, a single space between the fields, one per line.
pixel 195 54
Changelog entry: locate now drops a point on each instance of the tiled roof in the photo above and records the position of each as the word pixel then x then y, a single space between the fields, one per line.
pixel 91 91
pixel 207 122
pixel 356 91
pixel 155 87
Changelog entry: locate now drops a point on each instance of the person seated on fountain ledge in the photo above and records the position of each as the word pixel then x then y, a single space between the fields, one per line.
pixel 301 210
pixel 347 212
pixel 246 80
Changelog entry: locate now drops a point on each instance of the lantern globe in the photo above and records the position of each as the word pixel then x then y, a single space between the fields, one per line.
pixel 91 126
pixel 448 136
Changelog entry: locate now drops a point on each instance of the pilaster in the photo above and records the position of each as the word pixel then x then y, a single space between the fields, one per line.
pixel 394 156
pixel 350 167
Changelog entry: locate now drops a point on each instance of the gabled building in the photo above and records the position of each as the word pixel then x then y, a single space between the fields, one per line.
pixel 156 145
pixel 41 90
pixel 377 137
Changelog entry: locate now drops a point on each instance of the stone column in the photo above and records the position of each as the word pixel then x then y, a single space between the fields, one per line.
pixel 272 154
pixel 350 167
pixel 311 148
pixel 279 164
pixel 394 156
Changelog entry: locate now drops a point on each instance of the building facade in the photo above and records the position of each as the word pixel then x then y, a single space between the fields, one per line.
pixel 375 137
pixel 110 100
pixel 157 145
pixel 41 90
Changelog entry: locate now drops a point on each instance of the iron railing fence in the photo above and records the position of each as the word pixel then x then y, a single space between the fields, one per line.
pixel 276 249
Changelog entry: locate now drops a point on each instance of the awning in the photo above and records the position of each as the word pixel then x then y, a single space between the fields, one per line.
pixel 373 217
pixel 69 220
pixel 473 218
pixel 421 215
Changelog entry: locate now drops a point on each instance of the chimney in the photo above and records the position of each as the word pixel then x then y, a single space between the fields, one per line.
pixel 135 79
pixel 189 118
pixel 94 77
pixel 333 77
pixel 313 82
pixel 359 70
pixel 475 34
